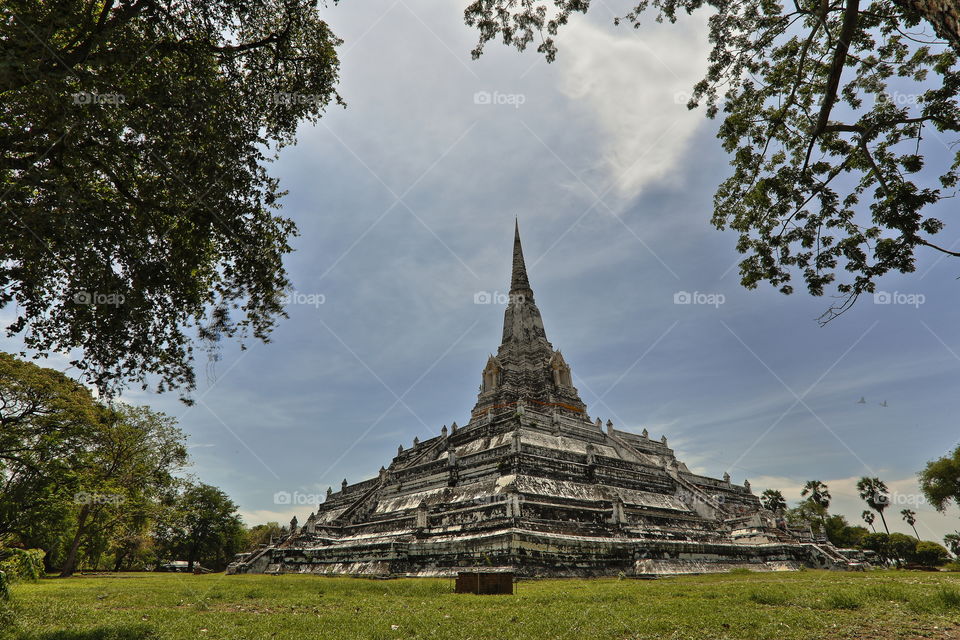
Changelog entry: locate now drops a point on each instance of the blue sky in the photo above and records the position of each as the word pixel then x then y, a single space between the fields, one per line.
pixel 405 203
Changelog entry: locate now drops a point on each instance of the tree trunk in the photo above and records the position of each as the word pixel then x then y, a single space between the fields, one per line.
pixel 192 556
pixel 121 556
pixel 944 15
pixel 70 564
pixel 915 532
pixel 884 520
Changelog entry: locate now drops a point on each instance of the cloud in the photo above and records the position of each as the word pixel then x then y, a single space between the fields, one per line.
pixel 636 85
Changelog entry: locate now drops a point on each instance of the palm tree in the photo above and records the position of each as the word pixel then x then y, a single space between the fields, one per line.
pixel 953 542
pixel 818 494
pixel 874 492
pixel 773 500
pixel 910 517
pixel 868 517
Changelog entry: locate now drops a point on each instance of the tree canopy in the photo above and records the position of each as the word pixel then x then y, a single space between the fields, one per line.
pixel 101 485
pixel 940 480
pixel 138 213
pixel 830 109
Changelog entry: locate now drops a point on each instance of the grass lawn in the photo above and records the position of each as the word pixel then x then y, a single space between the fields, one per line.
pixel 802 605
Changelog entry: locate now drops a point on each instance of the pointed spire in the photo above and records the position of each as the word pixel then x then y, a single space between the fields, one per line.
pixel 518 279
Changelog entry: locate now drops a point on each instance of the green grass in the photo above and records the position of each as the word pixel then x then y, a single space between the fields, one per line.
pixel 802 605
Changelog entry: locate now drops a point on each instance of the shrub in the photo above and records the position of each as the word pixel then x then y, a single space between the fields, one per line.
pixel 4 586
pixel 21 564
pixel 952 566
pixel 930 554
pixel 902 546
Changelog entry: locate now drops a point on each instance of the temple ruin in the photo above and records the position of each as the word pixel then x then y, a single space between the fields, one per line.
pixel 532 484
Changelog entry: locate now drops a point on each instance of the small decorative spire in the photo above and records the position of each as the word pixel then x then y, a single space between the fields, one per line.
pixel 443 431
pixel 645 433
pixel 416 440
pixel 453 427
pixel 399 449
pixel 343 485
pixel 518 279
pixel 663 439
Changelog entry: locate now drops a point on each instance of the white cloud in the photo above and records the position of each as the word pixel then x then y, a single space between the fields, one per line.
pixel 636 84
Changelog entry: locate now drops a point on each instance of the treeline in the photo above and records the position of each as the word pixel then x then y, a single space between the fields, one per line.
pixel 101 486
pixel 813 511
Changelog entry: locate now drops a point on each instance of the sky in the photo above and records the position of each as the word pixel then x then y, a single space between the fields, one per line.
pixel 406 202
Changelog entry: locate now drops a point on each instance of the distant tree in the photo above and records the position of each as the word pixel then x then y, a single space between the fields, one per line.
pixel 203 528
pixel 807 513
pixel 261 534
pixel 132 455
pixel 819 494
pixel 841 534
pixel 879 543
pixel 952 540
pixel 868 517
pixel 773 500
pixel 138 214
pixel 901 546
pixel 930 554
pixel 910 517
pixel 45 418
pixel 874 492
pixel 827 106
pixel 940 481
